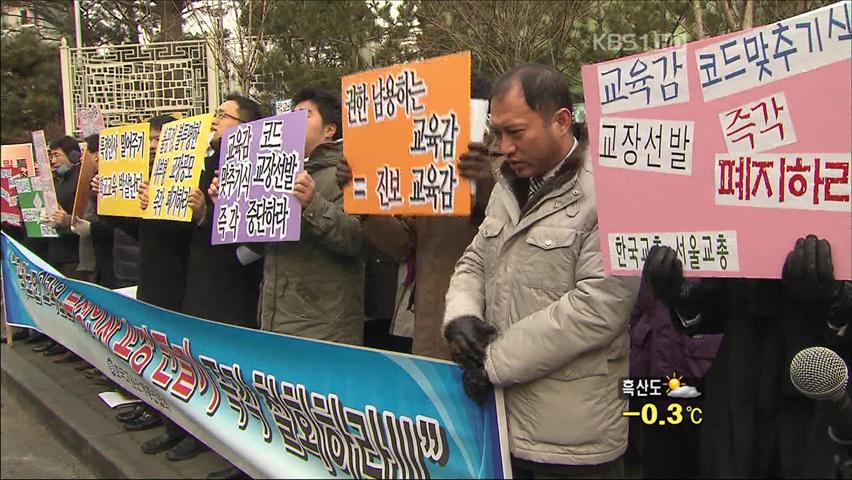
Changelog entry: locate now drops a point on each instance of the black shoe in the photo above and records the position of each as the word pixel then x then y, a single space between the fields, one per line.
pixel 55 350
pixel 231 472
pixel 131 414
pixel 17 336
pixel 104 381
pixel 66 357
pixel 161 443
pixel 145 421
pixel 36 337
pixel 186 449
pixel 44 346
pixel 84 365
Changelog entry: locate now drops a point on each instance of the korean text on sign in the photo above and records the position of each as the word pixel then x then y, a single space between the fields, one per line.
pixel 258 166
pixel 16 161
pixel 805 181
pixel 659 78
pixel 124 160
pixel 758 126
pixel 405 127
pixel 177 167
pixel 699 251
pixel 768 151
pixel 31 194
pixel 651 145
pixel 43 171
pixel 776 51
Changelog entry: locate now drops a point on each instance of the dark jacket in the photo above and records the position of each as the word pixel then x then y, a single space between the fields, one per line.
pixel 64 249
pixel 163 257
pixel 102 240
pixel 755 423
pixel 125 258
pixel 380 279
pixel 218 287
pixel 658 349
pixel 116 252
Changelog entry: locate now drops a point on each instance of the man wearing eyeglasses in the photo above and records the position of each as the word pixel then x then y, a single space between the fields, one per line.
pixel 220 285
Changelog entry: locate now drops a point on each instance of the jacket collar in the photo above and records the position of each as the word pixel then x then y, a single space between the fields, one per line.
pixel 326 154
pixel 520 186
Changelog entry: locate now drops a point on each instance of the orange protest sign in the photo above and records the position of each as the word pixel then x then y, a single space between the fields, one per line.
pixel 18 156
pixel 404 128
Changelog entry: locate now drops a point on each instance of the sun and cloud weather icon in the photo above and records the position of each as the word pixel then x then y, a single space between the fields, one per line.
pixel 677 388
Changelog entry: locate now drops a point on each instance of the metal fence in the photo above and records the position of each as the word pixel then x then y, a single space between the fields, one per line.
pixel 132 83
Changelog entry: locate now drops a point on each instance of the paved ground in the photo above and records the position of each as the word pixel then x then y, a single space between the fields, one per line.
pixel 29 449
pixel 72 415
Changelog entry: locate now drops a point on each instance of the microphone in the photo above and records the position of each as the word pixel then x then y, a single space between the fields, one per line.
pixel 820 374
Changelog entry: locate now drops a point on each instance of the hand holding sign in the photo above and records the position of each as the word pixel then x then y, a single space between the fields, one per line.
pixel 60 217
pixel 143 195
pixel 213 190
pixel 475 164
pixel 197 203
pixel 344 174
pixel 305 188
pixel 95 185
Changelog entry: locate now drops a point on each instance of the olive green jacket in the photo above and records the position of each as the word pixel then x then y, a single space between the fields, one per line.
pixel 314 288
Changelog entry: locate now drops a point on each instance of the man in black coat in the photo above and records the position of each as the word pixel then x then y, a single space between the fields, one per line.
pixel 163 245
pixel 222 281
pixel 755 423
pixel 62 252
pixel 163 256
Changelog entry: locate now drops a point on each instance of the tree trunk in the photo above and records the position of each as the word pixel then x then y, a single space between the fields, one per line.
pixel 698 11
pixel 728 14
pixel 133 18
pixel 171 20
pixel 748 15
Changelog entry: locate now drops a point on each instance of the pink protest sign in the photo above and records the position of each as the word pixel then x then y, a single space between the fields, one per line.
pixel 90 120
pixel 727 149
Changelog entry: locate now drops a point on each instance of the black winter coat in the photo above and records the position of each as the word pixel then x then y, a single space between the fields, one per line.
pixel 218 287
pixel 163 257
pixel 755 423
pixel 64 249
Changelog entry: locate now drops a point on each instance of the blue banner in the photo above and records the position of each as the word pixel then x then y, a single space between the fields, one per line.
pixel 274 405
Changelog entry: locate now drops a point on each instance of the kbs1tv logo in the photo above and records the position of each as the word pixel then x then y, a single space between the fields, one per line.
pixel 675 387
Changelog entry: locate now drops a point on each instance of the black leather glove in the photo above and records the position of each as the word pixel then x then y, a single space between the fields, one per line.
pixel 476 384
pixel 664 272
pixel 808 272
pixel 468 337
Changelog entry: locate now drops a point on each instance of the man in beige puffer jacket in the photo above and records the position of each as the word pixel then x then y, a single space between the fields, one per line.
pixel 529 307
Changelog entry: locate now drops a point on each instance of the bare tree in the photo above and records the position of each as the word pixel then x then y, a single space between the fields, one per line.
pixel 238 51
pixel 698 11
pixel 502 34
pixel 748 15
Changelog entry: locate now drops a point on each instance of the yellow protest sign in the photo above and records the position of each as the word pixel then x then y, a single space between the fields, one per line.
pixel 124 160
pixel 405 127
pixel 177 169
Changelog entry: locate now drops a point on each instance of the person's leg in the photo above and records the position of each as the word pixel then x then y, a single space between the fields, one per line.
pixel 187 448
pixel 172 437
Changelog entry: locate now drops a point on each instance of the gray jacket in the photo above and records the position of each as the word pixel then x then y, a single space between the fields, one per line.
pixel 535 273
